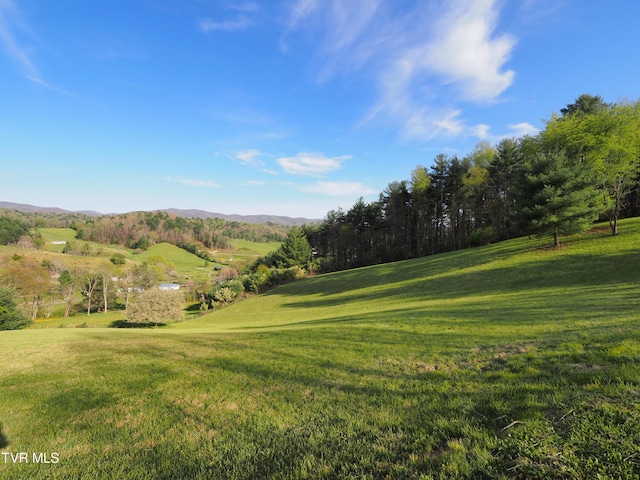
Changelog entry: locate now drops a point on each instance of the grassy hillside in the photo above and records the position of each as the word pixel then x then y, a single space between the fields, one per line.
pixel 186 264
pixel 245 247
pixel 509 361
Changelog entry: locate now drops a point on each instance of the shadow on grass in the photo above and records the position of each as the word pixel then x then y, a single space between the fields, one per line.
pixel 193 308
pixel 126 324
pixel 3 440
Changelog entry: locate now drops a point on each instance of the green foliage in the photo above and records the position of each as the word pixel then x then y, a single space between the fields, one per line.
pixel 224 295
pixel 65 279
pixel 483 236
pixel 294 251
pixel 10 317
pixel 143 277
pixel 118 259
pixel 141 244
pixel 11 230
pixel 226 291
pixel 585 104
pixel 93 288
pixel 156 306
pixel 558 195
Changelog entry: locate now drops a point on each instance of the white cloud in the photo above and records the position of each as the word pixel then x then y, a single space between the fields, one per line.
pixel 193 183
pixel 480 131
pixel 425 61
pixel 483 132
pixel 465 53
pixel 522 129
pixel 311 163
pixel 249 157
pixel 338 189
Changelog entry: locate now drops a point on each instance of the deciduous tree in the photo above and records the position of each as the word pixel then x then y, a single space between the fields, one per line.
pixel 156 306
pixel 67 290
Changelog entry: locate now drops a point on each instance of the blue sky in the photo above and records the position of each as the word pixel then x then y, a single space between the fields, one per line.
pixel 283 107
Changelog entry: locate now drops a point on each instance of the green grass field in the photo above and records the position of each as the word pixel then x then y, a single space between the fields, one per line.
pixel 508 361
pixel 186 264
pixel 58 234
pixel 245 247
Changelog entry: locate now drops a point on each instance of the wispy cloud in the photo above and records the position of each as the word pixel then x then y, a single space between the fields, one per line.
pixel 300 10
pixel 522 129
pixel 192 182
pixel 240 23
pixel 246 18
pixel 418 57
pixel 249 157
pixel 311 163
pixel 338 189
pixel 518 130
pixel 9 22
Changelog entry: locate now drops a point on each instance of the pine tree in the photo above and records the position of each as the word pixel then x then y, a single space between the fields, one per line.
pixel 294 251
pixel 558 196
pixel 10 317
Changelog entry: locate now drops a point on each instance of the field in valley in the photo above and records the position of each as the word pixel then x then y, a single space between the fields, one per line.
pixel 513 360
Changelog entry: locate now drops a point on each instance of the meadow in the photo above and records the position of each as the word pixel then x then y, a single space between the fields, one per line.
pixel 186 264
pixel 513 360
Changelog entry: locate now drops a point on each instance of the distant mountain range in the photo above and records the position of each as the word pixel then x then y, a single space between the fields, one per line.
pixel 193 213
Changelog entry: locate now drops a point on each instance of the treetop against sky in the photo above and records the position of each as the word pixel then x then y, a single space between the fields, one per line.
pixel 287 107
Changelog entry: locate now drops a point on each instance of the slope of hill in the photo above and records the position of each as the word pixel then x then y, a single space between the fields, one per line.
pixel 508 361
pixel 520 280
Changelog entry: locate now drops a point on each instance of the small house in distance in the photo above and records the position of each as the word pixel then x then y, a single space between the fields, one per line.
pixel 169 286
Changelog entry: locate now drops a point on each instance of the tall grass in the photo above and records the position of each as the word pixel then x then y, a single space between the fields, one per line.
pixel 509 361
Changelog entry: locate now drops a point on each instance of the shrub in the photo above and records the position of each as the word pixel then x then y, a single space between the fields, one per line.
pixel 118 259
pixel 483 236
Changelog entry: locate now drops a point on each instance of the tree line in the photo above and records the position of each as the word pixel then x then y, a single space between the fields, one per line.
pixel 582 167
pixel 139 230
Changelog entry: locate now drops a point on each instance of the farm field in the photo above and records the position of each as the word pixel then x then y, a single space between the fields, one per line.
pixel 245 247
pixel 513 360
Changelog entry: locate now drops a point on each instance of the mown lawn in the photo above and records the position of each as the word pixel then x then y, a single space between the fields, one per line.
pixel 508 361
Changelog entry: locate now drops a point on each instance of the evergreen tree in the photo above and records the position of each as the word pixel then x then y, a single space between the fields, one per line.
pixel 503 175
pixel 558 196
pixel 10 317
pixel 294 251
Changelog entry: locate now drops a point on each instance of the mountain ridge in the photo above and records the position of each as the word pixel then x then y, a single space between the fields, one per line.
pixel 186 213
